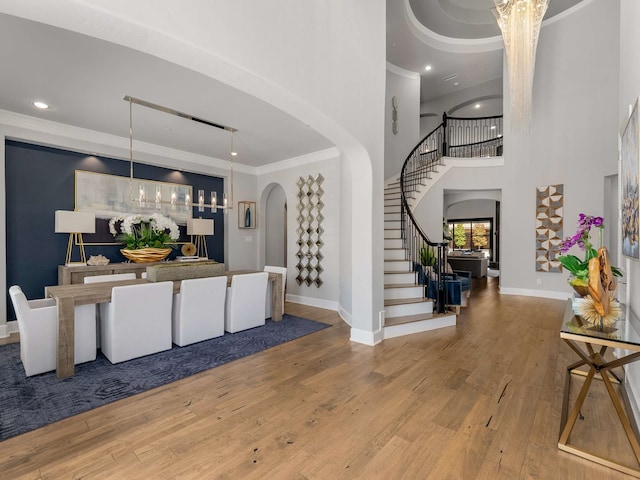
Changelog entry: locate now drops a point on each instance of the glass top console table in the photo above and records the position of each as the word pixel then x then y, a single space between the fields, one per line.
pixel 591 345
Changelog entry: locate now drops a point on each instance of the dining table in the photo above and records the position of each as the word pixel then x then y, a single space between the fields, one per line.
pixel 67 297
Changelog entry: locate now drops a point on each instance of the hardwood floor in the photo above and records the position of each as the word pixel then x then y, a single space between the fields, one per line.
pixel 481 400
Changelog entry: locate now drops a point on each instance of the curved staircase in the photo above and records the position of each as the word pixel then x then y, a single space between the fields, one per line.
pixel 407 310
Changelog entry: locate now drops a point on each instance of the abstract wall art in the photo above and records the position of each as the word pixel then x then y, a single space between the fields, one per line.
pixel 629 166
pixel 549 203
pixel 310 218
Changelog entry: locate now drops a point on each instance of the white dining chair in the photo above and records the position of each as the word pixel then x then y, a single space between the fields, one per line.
pixel 283 272
pixel 245 302
pixel 198 310
pixel 38 326
pixel 137 321
pixel 94 309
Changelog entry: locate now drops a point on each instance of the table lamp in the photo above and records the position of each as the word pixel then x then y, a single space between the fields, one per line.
pixel 200 227
pixel 75 224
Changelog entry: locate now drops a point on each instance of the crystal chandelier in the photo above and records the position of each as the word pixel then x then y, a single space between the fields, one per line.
pixel 139 193
pixel 519 21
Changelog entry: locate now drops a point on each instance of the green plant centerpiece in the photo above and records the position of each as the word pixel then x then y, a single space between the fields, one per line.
pixel 147 238
pixel 579 268
pixel 427 256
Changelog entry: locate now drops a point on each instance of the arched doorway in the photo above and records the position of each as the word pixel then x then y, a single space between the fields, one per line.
pixel 275 227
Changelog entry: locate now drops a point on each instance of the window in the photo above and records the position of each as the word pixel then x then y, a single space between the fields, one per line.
pixel 472 235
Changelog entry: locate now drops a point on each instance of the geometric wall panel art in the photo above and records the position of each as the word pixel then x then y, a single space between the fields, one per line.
pixel 549 202
pixel 310 230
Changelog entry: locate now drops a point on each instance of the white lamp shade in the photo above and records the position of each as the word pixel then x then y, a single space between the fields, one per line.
pixel 75 222
pixel 199 226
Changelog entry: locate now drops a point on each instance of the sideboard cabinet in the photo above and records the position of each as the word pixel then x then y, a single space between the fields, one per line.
pixel 68 274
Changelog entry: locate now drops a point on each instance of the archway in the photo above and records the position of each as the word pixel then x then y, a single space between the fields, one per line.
pixel 275 226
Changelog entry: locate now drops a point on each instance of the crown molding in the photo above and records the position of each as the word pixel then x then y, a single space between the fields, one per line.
pixel 402 72
pixel 22 127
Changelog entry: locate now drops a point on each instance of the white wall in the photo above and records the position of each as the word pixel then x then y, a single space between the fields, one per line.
pixel 327 296
pixel 470 179
pixel 488 93
pixel 572 139
pixel 405 87
pixel 629 92
pixel 241 244
pixel 476 208
pixel 324 78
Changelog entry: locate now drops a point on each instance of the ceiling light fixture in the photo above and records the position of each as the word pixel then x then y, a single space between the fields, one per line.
pixel 227 201
pixel 40 105
pixel 477 105
pixel 519 21
pixel 427 68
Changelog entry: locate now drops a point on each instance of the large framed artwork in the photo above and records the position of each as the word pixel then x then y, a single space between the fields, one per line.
pixel 629 166
pixel 549 216
pixel 111 196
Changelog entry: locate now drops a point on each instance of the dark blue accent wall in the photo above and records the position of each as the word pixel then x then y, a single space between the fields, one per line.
pixel 41 180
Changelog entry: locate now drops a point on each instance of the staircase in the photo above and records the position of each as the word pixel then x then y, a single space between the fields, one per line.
pixel 406 309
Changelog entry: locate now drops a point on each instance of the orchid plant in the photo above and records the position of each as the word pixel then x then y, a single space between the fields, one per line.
pixel 143 231
pixel 578 268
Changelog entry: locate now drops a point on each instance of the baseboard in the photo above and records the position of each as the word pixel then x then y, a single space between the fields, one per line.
pixel 526 292
pixel 313 302
pixel 344 315
pixel 366 337
pixel 8 328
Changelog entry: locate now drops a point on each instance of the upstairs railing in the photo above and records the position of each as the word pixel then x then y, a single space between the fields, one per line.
pixel 454 137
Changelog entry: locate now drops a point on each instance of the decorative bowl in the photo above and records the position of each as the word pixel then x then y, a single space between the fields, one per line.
pixel 146 255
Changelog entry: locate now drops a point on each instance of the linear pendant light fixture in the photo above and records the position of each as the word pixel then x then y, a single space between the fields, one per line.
pixel 520 21
pixel 141 198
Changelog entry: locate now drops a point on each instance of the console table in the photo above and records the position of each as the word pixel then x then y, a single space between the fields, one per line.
pixel 623 335
pixel 69 274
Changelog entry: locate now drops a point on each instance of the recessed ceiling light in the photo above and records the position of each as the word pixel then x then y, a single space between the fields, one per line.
pixel 234 153
pixel 477 105
pixel 40 105
pixel 455 84
pixel 427 68
pixel 493 127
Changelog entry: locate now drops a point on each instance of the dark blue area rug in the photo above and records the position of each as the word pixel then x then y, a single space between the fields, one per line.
pixel 27 403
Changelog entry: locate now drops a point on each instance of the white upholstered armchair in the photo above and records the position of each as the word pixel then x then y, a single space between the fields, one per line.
pixel 37 322
pixel 245 302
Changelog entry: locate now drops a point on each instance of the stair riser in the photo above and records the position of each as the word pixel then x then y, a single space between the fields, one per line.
pixel 399 279
pixel 392 224
pixel 394 201
pixel 392 243
pixel 404 266
pixel 388 234
pixel 408 309
pixel 400 293
pixel 395 209
pixel 392 216
pixel 394 255
pixel 416 327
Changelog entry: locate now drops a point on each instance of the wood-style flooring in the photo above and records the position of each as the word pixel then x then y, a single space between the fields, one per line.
pixel 481 400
